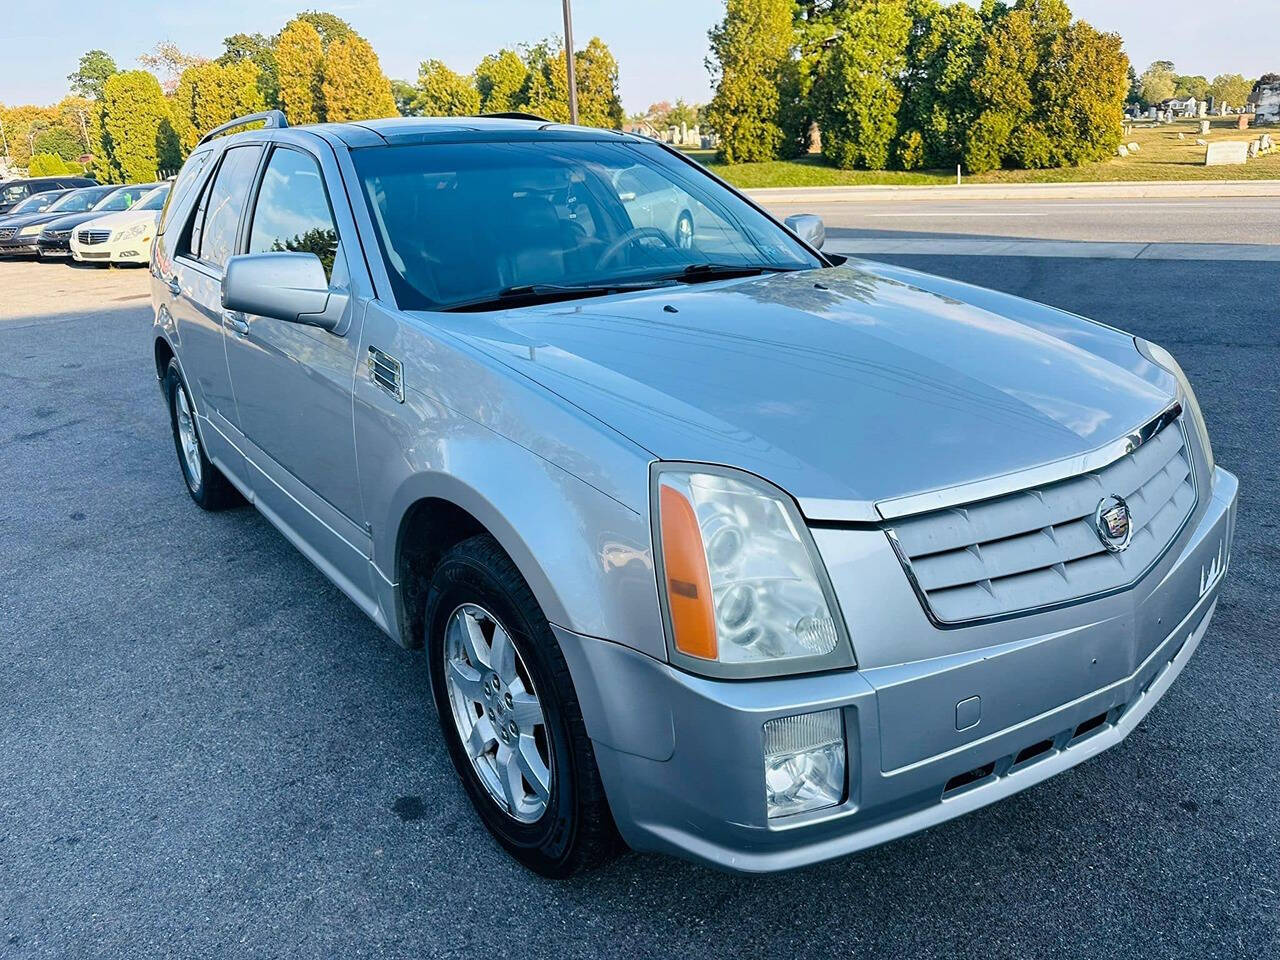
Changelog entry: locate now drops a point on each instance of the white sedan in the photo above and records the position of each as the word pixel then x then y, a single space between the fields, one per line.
pixel 123 237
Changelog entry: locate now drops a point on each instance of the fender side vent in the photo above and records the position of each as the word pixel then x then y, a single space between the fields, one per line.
pixel 385 371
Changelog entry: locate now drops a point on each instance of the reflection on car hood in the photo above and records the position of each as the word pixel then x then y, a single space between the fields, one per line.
pixel 27 219
pixel 121 220
pixel 859 383
pixel 69 221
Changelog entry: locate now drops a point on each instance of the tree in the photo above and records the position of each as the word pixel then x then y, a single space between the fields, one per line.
pixel 1187 86
pixel 939 105
pixel 60 142
pixel 328 26
pixel 46 165
pixel 857 92
pixel 211 94
pixel 441 92
pixel 597 77
pixel 167 61
pixel 1158 82
pixel 260 50
pixel 1231 89
pixel 139 139
pixel 499 79
pixel 300 61
pixel 1135 89
pixel 1053 91
pixel 354 86
pixel 546 89
pixel 750 50
pixel 405 95
pixel 1084 92
pixel 95 66
pixel 22 125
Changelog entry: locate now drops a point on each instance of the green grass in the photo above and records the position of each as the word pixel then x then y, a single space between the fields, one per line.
pixel 1162 156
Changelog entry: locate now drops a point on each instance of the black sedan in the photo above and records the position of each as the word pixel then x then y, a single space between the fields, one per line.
pixel 19 234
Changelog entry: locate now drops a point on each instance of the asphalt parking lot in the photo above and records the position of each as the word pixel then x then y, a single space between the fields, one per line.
pixel 207 751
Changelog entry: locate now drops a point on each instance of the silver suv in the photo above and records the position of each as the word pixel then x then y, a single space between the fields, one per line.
pixel 716 545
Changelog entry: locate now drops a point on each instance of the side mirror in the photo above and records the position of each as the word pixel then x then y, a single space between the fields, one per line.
pixel 284 286
pixel 809 228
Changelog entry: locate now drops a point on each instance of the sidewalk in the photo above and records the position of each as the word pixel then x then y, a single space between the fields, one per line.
pixel 1072 249
pixel 1177 189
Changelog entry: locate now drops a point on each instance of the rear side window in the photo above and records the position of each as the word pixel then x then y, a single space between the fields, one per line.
pixel 213 235
pixel 292 213
pixel 182 186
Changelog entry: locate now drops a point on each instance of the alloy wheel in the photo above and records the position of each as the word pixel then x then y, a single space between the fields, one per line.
pixel 187 437
pixel 496 713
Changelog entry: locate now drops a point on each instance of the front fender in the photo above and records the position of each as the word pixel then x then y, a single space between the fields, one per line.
pixel 586 557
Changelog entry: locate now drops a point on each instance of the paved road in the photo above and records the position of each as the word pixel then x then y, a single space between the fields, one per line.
pixel 206 750
pixel 1247 220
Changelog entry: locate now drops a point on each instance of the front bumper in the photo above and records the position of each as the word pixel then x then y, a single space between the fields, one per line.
pixel 19 246
pixel 681 756
pixel 55 246
pixel 136 250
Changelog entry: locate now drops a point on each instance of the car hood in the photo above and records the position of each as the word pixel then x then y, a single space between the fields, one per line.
pixel 28 219
pixel 859 383
pixel 121 220
pixel 69 221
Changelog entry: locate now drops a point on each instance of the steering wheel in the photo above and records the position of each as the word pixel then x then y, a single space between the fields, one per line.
pixel 631 236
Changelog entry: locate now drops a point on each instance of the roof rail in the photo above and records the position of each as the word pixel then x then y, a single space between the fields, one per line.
pixel 515 115
pixel 271 120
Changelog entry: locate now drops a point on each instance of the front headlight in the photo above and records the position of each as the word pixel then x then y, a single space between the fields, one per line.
pixel 137 230
pixel 743 589
pixel 31 231
pixel 1164 359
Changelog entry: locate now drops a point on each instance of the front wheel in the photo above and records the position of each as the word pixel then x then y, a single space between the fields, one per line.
pixel 510 717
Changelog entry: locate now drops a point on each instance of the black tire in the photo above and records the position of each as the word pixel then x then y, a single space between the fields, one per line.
pixel 576 832
pixel 211 490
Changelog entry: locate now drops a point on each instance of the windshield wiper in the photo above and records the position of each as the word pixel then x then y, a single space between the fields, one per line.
pixel 700 272
pixel 526 294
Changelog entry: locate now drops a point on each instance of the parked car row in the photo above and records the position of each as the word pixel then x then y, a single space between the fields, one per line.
pixel 13 192
pixel 97 223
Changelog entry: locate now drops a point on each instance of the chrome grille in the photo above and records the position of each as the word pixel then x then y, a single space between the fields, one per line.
pixel 57 234
pixel 90 237
pixel 1039 547
pixel 7 233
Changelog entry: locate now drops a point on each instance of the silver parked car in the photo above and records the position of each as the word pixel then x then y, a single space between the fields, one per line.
pixel 716 545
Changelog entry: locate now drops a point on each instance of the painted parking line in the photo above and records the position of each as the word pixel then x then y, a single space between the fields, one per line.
pixel 1091 250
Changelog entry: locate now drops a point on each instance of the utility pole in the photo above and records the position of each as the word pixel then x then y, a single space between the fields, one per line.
pixel 568 59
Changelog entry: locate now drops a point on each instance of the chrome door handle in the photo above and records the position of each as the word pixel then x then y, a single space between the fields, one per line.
pixel 236 321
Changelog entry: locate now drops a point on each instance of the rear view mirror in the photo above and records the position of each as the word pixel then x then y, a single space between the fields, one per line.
pixel 809 228
pixel 283 286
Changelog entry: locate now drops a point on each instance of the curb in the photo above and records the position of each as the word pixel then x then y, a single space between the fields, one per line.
pixel 1138 189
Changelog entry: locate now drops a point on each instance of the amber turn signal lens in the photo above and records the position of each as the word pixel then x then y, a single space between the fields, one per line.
pixel 688 583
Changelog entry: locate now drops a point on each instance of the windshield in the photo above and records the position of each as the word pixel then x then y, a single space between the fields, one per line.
pixel 460 223
pixel 153 200
pixel 123 198
pixel 34 203
pixel 78 201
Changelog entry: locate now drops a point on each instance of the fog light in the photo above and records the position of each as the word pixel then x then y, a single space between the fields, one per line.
pixel 803 763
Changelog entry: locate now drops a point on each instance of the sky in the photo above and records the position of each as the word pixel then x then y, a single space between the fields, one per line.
pixel 660 44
